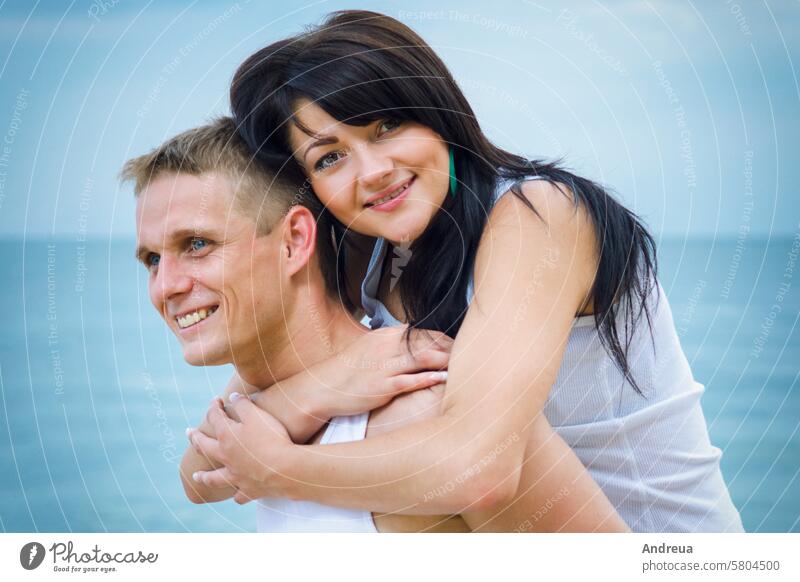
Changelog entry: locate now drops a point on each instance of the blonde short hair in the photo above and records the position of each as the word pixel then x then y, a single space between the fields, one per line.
pixel 217 147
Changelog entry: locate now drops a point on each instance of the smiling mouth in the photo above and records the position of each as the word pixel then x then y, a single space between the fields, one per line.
pixel 392 195
pixel 189 319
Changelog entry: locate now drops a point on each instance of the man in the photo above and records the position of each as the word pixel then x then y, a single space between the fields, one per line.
pixel 240 276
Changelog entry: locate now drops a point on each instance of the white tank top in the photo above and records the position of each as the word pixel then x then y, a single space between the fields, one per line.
pixel 650 454
pixel 278 515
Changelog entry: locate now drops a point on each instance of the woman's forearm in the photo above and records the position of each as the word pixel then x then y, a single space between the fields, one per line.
pixel 297 402
pixel 421 470
pixel 295 405
pixel 428 468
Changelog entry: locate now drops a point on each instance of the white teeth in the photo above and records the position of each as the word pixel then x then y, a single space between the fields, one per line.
pixel 191 318
pixel 394 194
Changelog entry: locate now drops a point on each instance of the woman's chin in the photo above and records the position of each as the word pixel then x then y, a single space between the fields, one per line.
pixel 406 230
pixel 403 239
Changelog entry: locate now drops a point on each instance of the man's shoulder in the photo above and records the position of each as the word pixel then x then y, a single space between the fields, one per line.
pixel 406 409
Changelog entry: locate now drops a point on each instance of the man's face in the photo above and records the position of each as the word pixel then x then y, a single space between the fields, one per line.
pixel 212 278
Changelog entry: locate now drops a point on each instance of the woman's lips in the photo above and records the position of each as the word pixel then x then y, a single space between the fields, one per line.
pixel 390 205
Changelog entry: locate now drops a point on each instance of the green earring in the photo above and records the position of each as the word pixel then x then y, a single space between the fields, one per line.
pixel 453 182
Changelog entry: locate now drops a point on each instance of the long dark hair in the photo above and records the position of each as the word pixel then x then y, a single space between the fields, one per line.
pixel 362 66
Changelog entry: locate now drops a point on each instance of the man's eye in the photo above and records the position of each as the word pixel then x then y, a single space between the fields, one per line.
pixel 152 260
pixel 328 160
pixel 198 244
pixel 388 125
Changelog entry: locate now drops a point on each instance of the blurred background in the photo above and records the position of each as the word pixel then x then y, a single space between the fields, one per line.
pixel 690 111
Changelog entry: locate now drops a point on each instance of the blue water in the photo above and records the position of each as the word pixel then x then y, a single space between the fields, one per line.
pixel 96 396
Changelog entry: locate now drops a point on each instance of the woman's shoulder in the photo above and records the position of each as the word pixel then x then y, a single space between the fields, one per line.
pixel 551 203
pixel 536 232
pixel 541 211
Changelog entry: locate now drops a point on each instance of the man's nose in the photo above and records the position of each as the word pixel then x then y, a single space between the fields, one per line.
pixel 374 168
pixel 173 278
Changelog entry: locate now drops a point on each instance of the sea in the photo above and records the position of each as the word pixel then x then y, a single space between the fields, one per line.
pixel 96 396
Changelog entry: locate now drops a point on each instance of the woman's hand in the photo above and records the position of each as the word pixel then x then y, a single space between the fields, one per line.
pixel 367 375
pixel 371 372
pixel 377 367
pixel 251 450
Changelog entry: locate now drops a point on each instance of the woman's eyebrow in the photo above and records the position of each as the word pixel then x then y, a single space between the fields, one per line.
pixel 319 142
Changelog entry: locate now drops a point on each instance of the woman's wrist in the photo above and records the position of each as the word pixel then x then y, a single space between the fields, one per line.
pixel 298 403
pixel 312 397
pixel 308 406
pixel 313 402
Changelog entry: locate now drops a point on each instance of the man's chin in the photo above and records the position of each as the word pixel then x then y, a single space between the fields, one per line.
pixel 195 357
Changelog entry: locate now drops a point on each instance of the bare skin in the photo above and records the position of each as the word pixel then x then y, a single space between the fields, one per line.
pixel 378 473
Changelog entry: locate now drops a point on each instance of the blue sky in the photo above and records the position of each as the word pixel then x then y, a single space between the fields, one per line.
pixel 689 110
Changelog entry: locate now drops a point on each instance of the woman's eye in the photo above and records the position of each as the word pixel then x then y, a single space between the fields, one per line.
pixel 198 244
pixel 328 160
pixel 152 260
pixel 388 125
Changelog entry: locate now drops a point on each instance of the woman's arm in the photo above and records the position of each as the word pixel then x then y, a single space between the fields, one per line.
pixel 532 276
pixel 304 402
pixel 197 491
pixel 555 494
pixel 194 461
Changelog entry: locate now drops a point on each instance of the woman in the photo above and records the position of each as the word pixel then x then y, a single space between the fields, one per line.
pixel 545 281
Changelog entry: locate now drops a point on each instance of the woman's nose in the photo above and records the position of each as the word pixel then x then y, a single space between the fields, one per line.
pixel 374 168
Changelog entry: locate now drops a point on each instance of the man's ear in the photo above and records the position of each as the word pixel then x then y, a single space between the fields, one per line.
pixel 299 239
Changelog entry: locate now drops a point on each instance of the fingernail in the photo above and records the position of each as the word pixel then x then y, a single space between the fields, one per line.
pixel 189 433
pixel 442 376
pixel 234 397
pixel 196 476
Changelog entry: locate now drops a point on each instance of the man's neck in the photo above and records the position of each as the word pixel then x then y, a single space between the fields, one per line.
pixel 315 329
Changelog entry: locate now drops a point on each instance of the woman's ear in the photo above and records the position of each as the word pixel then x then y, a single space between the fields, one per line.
pixel 299 239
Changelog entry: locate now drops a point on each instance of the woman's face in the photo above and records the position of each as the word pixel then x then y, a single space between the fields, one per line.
pixel 386 179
